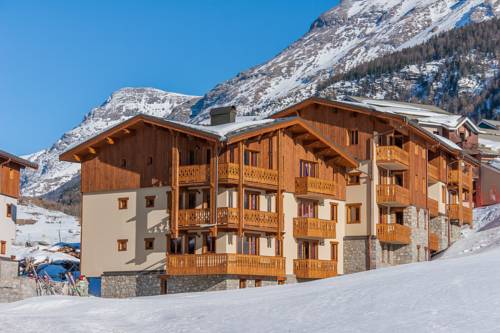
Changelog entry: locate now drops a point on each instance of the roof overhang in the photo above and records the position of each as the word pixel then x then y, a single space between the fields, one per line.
pixel 13 159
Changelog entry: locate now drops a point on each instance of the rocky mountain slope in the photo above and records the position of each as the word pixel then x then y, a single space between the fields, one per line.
pixel 121 105
pixel 352 33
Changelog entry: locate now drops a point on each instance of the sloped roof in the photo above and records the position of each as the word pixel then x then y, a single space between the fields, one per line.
pixel 18 160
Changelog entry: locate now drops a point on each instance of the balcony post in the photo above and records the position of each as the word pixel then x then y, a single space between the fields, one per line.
pixel 460 188
pixel 174 212
pixel 240 188
pixel 213 188
pixel 279 194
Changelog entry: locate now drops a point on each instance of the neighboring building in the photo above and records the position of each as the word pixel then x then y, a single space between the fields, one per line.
pixel 488 192
pixel 319 189
pixel 229 205
pixel 10 171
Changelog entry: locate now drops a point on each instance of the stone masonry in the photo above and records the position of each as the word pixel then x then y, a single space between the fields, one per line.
pixel 130 284
pixel 439 226
pixel 183 284
pixel 12 287
pixel 455 230
pixel 355 254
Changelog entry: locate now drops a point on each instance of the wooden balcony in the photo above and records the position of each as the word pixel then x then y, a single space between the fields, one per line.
pixel 453 178
pixel 309 227
pixel 230 173
pixel 393 195
pixel 454 213
pixel 433 242
pixel 433 206
pixel 315 187
pixel 433 174
pixel 314 269
pixel 392 158
pixel 393 233
pixel 193 174
pixel 225 263
pixel 229 217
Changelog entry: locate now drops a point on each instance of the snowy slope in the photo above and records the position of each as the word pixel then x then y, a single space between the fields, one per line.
pixel 49 226
pixel 354 32
pixel 458 294
pixel 121 105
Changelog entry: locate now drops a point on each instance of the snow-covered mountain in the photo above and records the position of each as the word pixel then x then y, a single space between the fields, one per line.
pixel 121 105
pixel 349 34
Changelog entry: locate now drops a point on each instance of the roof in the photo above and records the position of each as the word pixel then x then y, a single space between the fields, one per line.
pixel 493 124
pixel 230 132
pixel 17 160
pixel 398 104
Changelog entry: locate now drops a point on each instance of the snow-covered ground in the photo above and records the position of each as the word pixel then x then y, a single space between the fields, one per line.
pixel 51 227
pixel 459 293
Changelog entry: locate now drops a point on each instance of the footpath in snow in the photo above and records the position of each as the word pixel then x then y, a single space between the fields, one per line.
pixel 457 293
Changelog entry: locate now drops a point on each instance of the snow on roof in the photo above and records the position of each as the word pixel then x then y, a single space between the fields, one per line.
pixel 447 142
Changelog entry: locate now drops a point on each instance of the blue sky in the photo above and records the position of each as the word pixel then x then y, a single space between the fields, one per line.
pixel 58 59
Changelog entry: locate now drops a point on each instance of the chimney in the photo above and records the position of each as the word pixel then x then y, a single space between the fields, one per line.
pixel 223 115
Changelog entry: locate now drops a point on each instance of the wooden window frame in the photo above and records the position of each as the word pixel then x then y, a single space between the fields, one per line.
pixel 314 168
pixel 205 248
pixel 150 201
pixel 278 247
pixel 3 247
pixel 443 193
pixel 246 200
pixel 149 243
pixel 334 250
pixel 8 212
pixel 243 284
pixel 352 137
pixel 123 203
pixel 252 157
pixel 169 245
pixel 186 245
pixel 334 211
pixel 348 213
pixel 122 245
pixel 302 202
pixel 312 246
pixel 240 248
pixel 357 179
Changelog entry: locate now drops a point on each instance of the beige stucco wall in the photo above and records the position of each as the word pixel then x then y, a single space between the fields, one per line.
pixel 103 224
pixel 324 251
pixel 7 224
pixel 435 192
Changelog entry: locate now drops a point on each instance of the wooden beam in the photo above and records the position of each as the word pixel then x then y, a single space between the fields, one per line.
pixel 174 211
pixel 307 143
pixel 279 194
pixel 213 194
pixel 92 150
pixel 301 136
pixel 110 140
pixel 240 189
pixel 128 131
pixel 77 157
pixel 321 151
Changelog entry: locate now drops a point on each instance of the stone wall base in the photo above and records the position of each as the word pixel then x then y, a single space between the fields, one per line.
pixel 16 289
pixel 185 284
pixel 356 254
pixel 130 284
pixel 455 230
pixel 439 226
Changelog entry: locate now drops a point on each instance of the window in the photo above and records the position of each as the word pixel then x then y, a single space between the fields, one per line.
pixel 398 178
pixel 270 165
pixel 353 213
pixel 399 217
pixel 149 160
pixel 269 203
pixel 231 154
pixel 443 194
pixel 307 249
pixel 3 247
pixel 150 201
pixel 122 203
pixel 248 244
pixel 9 210
pixel 191 157
pixel 243 283
pixel 174 245
pixel 307 208
pixel 122 244
pixel 258 283
pixel 462 136
pixel 353 137
pixel 206 199
pixel 208 243
pixel 230 199
pixel 353 179
pixel 334 212
pixel 189 200
pixel 335 250
pixel 308 169
pixel 149 243
pixel 191 244
pixel 277 247
pixel 123 163
pixel 250 158
pixel 251 200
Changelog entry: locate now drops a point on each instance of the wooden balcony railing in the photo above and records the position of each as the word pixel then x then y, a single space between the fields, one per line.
pixel 192 174
pixel 433 173
pixel 394 233
pixel 313 228
pixel 393 195
pixel 454 213
pixel 315 186
pixel 453 178
pixel 314 269
pixel 230 172
pixel 252 219
pixel 433 242
pixel 392 157
pixel 433 206
pixel 225 263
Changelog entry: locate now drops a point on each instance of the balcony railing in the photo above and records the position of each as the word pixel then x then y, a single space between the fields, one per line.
pixel 454 213
pixel 314 269
pixel 433 173
pixel 315 186
pixel 313 228
pixel 453 178
pixel 192 174
pixel 433 242
pixel 392 158
pixel 393 195
pixel 229 217
pixel 433 206
pixel 225 263
pixel 394 233
pixel 230 172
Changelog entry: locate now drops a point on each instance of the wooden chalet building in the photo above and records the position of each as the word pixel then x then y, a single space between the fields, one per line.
pixel 10 174
pixel 318 189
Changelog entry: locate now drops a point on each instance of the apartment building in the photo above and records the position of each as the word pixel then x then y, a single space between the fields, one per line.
pixel 319 189
pixel 10 172
pixel 413 187
pixel 174 208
